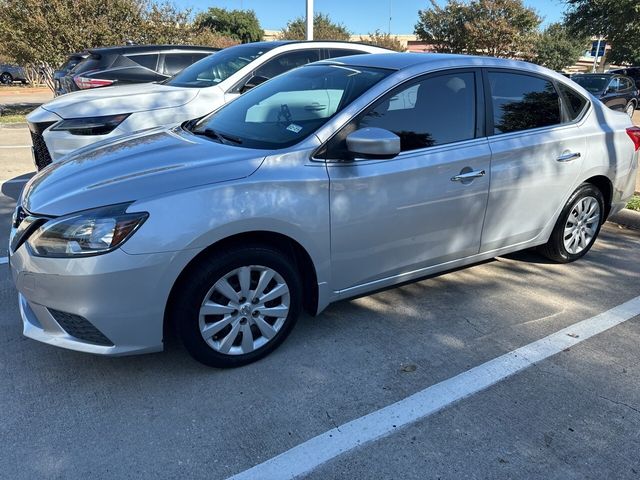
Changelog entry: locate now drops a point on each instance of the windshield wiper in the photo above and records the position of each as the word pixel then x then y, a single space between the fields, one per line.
pixel 219 137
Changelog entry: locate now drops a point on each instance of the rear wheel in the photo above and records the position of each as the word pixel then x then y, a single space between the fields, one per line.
pixel 237 307
pixel 630 108
pixel 6 78
pixel 577 227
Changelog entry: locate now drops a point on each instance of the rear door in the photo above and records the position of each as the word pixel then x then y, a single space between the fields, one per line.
pixel 392 217
pixel 537 147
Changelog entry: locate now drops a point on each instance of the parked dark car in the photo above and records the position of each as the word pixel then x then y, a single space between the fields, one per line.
pixel 633 72
pixel 617 92
pixel 131 64
pixel 11 73
pixel 71 62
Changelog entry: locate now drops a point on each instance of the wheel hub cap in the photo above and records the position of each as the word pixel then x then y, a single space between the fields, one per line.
pixel 582 225
pixel 244 310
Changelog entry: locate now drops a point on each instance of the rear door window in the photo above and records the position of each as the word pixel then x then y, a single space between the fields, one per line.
pixel 176 62
pixel 287 61
pixel 147 60
pixel 522 102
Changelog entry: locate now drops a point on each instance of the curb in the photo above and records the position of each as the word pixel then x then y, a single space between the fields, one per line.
pixel 627 218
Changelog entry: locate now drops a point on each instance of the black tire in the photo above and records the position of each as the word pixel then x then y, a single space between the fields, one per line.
pixel 186 303
pixel 555 248
pixel 6 78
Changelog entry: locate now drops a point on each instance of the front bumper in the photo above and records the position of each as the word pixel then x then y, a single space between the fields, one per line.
pixel 123 296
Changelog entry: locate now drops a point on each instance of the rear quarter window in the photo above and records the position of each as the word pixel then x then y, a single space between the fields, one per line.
pixel 574 103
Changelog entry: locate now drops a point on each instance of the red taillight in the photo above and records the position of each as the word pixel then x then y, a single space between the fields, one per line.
pixel 634 135
pixel 83 82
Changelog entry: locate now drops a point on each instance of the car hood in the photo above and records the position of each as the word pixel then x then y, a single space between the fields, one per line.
pixel 104 101
pixel 134 167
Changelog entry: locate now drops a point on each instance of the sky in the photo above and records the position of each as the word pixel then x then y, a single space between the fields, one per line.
pixel 360 16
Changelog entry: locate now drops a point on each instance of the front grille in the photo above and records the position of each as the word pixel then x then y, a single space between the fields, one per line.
pixel 80 328
pixel 40 150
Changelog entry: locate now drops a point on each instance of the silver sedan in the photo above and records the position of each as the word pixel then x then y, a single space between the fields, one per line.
pixel 331 181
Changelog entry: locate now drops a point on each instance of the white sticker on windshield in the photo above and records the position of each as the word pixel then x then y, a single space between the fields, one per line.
pixel 294 128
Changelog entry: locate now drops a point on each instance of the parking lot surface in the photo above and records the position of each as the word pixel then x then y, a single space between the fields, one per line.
pixel 573 415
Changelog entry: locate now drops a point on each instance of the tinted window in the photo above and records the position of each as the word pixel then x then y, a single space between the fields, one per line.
pixel 522 102
pixel 614 85
pixel 592 83
pixel 287 61
pixel 175 62
pixel 289 108
pixel 343 52
pixel 218 67
pixel 435 111
pixel 625 84
pixel 575 103
pixel 149 61
pixel 93 62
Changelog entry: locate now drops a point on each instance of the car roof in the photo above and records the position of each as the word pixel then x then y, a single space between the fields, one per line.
pixel 401 61
pixel 147 48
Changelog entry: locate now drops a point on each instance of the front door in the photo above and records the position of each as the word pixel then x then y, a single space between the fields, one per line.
pixel 390 217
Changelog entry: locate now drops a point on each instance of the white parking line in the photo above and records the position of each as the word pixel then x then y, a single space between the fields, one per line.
pixel 4 260
pixel 309 455
pixel 15 146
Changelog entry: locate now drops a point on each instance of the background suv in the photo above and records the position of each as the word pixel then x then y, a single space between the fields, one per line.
pixel 617 92
pixel 84 118
pixel 130 64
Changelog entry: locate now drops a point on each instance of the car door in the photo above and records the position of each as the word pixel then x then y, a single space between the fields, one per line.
pixel 390 217
pixel 275 66
pixel 537 147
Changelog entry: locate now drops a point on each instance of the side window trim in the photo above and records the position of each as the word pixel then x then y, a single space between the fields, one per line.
pixel 480 120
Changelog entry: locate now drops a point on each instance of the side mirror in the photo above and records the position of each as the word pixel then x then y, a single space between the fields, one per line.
pixel 374 143
pixel 253 82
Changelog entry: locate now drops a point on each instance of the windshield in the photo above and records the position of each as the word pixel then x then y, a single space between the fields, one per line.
pixel 217 67
pixel 592 83
pixel 287 109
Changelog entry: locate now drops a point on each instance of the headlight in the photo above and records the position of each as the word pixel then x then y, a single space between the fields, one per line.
pixel 91 125
pixel 91 232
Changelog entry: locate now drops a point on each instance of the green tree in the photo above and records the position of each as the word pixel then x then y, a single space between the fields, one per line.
pixel 500 28
pixel 383 40
pixel 242 25
pixel 323 29
pixel 617 20
pixel 556 48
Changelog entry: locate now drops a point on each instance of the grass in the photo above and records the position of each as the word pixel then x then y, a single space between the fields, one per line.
pixel 634 204
pixel 14 113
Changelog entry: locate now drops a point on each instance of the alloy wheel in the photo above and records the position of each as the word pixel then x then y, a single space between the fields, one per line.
pixel 5 79
pixel 630 109
pixel 582 225
pixel 244 310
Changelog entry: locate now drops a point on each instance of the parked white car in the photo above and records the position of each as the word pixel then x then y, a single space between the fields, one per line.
pixel 86 117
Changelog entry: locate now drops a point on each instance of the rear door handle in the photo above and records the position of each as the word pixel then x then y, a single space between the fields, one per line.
pixel 568 156
pixel 468 175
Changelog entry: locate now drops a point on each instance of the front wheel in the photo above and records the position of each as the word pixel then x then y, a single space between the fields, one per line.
pixel 577 227
pixel 630 109
pixel 238 306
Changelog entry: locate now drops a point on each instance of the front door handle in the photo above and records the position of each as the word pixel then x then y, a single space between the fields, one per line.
pixel 568 156
pixel 462 177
